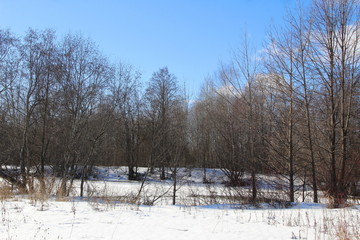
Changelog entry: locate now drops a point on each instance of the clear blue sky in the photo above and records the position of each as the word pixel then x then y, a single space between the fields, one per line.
pixel 191 37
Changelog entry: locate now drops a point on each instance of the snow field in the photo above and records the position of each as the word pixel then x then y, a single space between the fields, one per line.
pixel 203 211
pixel 26 219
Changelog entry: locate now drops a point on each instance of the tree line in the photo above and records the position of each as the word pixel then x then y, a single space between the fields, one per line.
pixel 297 114
pixel 292 112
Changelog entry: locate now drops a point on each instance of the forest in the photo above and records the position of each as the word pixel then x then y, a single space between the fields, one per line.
pixel 291 110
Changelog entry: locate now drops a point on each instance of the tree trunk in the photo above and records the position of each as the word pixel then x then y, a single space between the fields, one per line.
pixel 174 189
pixel 254 187
pixel 83 177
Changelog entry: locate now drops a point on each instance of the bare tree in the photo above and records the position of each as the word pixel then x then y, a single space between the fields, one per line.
pixel 201 130
pixel 34 51
pixel 239 81
pixel 283 53
pixel 335 60
pixel 84 73
pixel 9 73
pixel 162 97
pixel 300 29
pixel 125 89
pixel 178 143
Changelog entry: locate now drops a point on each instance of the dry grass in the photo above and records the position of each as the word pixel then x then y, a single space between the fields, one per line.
pixel 340 224
pixel 5 192
pixel 347 227
pixel 342 232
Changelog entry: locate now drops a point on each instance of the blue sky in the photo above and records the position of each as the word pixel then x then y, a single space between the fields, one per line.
pixel 191 37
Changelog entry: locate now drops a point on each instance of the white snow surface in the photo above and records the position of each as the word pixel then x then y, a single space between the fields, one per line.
pixel 25 219
pixel 96 217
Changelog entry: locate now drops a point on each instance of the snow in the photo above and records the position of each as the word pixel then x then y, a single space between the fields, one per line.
pixel 79 220
pixel 102 215
pixel 24 219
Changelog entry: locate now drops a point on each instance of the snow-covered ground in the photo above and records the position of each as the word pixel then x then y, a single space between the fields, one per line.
pixel 25 219
pixel 104 213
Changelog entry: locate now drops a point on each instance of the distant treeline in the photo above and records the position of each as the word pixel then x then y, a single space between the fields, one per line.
pixel 293 110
